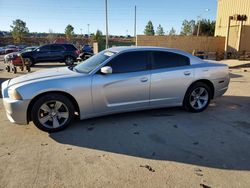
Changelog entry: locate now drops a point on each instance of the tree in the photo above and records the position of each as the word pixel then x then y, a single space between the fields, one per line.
pixel 69 32
pixel 98 36
pixel 149 29
pixel 19 30
pixel 160 30
pixel 207 28
pixel 172 32
pixel 51 36
pixel 188 27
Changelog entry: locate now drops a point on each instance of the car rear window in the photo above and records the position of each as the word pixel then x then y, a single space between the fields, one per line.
pixel 169 60
pixel 70 47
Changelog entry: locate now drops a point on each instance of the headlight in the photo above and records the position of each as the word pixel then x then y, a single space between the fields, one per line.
pixel 13 94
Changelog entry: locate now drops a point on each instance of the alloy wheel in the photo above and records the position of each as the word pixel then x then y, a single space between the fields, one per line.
pixel 199 98
pixel 53 114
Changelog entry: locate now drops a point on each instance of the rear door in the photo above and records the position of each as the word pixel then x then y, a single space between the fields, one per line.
pixel 171 74
pixel 56 52
pixel 126 88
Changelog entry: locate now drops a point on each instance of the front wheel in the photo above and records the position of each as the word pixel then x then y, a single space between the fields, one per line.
pixel 197 97
pixel 52 112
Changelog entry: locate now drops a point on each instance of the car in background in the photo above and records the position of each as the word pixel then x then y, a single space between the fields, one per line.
pixel 86 52
pixel 10 48
pixel 67 53
pixel 115 80
pixel 2 51
pixel 87 49
pixel 14 55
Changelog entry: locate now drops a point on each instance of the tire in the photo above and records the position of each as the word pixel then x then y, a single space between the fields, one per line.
pixel 48 117
pixel 14 70
pixel 30 61
pixel 28 68
pixel 7 68
pixel 197 97
pixel 69 61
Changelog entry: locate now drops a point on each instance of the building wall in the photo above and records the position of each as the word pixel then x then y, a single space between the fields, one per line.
pixel 228 8
pixel 185 43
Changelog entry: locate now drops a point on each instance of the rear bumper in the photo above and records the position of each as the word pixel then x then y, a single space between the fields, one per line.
pixel 16 110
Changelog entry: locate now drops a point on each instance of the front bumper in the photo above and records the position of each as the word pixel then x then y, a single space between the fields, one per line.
pixel 16 110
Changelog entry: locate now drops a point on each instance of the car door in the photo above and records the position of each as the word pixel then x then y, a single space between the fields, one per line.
pixel 56 53
pixel 43 53
pixel 171 75
pixel 126 88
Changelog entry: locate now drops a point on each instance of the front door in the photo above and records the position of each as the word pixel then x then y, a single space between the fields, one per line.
pixel 126 88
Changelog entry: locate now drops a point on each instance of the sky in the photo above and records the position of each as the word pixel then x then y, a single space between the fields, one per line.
pixel 55 15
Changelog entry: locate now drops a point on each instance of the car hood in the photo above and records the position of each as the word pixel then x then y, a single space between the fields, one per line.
pixel 43 75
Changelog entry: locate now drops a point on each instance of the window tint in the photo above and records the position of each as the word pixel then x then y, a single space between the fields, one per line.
pixel 70 47
pixel 45 48
pixel 169 60
pixel 57 48
pixel 129 62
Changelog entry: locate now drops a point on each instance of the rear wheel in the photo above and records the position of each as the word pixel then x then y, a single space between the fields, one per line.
pixel 69 61
pixel 14 70
pixel 197 97
pixel 28 61
pixel 53 112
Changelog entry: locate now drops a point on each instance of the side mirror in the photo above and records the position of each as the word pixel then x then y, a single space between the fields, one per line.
pixel 38 49
pixel 106 70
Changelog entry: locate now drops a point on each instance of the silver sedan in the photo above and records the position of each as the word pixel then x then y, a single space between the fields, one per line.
pixel 113 81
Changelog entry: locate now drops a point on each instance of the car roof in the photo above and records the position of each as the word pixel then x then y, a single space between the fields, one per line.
pixel 141 48
pixel 153 48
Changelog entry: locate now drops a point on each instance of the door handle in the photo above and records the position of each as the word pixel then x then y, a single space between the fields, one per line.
pixel 187 73
pixel 144 79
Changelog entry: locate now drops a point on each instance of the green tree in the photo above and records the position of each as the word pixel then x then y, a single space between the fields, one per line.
pixel 69 32
pixel 207 28
pixel 188 27
pixel 19 30
pixel 172 32
pixel 160 30
pixel 98 36
pixel 149 29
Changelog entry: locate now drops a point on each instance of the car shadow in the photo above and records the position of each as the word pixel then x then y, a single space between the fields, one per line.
pixel 218 137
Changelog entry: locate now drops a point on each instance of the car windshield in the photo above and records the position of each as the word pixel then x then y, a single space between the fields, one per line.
pixel 29 49
pixel 90 64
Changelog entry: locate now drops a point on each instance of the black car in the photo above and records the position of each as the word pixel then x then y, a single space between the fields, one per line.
pixel 67 53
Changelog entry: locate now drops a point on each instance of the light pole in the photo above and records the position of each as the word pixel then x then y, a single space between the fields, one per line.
pixel 199 21
pixel 107 37
pixel 88 30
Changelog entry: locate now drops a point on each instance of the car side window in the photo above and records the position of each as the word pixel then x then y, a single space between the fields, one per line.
pixel 57 48
pixel 129 62
pixel 45 49
pixel 169 60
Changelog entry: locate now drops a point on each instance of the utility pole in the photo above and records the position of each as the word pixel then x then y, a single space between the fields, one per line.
pixel 135 27
pixel 107 37
pixel 88 30
pixel 81 31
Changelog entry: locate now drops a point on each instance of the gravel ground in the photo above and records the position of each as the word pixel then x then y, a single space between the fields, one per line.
pixel 154 148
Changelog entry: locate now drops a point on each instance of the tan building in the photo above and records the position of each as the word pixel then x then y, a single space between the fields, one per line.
pixel 239 36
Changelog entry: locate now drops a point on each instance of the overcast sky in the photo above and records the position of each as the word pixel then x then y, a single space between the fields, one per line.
pixel 42 15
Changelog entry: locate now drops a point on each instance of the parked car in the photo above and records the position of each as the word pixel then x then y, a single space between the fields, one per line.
pixel 113 81
pixel 87 49
pixel 86 52
pixel 10 49
pixel 2 51
pixel 67 53
pixel 14 55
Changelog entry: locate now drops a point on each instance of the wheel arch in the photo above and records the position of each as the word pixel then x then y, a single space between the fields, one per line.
pixel 71 98
pixel 205 81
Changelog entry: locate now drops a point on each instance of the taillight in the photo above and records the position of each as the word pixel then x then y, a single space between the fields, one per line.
pixel 77 52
